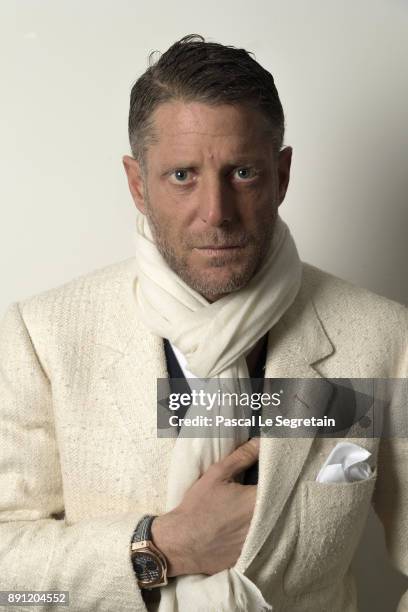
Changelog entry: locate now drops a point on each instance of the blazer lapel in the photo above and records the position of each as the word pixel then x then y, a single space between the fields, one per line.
pixel 134 359
pixel 296 343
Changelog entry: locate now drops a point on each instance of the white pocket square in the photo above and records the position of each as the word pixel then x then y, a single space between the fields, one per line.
pixel 346 463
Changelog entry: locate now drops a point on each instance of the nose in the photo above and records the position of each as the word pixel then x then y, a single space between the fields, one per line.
pixel 216 203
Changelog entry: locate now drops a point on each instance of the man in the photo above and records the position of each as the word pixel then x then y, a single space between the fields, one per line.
pixel 216 290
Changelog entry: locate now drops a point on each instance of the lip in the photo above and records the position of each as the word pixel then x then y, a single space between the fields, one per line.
pixel 219 247
pixel 219 250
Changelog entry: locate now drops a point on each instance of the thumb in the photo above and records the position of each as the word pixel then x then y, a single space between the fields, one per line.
pixel 240 459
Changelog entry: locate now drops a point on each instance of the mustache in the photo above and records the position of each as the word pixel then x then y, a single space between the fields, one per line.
pixel 221 241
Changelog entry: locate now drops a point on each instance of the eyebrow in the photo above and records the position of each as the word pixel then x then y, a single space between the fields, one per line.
pixel 239 161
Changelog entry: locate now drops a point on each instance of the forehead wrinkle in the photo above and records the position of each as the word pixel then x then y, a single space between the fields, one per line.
pixel 186 136
pixel 196 115
pixel 186 154
pixel 177 134
pixel 171 130
pixel 241 141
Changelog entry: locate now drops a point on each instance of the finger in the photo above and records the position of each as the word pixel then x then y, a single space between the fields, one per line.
pixel 239 460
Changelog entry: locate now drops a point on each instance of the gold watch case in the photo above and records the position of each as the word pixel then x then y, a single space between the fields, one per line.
pixel 144 551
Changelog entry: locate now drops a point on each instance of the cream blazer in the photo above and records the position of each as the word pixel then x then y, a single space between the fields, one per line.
pixel 80 461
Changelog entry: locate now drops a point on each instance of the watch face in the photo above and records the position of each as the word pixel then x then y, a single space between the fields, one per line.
pixel 147 568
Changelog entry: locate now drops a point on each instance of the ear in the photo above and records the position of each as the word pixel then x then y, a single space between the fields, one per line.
pixel 135 180
pixel 284 163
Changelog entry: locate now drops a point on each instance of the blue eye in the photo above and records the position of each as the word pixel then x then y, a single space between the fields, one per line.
pixel 245 173
pixel 180 175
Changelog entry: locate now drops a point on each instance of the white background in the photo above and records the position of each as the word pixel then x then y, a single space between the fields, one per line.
pixel 67 67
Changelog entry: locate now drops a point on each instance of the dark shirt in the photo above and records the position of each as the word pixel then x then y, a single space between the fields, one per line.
pixel 257 379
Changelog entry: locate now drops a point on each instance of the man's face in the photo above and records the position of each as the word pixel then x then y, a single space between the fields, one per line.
pixel 210 192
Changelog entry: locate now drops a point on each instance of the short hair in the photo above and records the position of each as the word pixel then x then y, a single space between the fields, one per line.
pixel 193 69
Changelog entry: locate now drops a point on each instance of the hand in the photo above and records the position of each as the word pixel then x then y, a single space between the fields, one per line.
pixel 205 533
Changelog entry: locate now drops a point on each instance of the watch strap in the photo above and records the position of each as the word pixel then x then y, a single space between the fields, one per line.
pixel 143 530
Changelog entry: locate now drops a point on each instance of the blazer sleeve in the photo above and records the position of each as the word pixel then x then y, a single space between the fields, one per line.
pixel 390 499
pixel 38 550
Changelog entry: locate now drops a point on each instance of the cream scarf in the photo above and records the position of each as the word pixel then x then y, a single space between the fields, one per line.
pixel 214 339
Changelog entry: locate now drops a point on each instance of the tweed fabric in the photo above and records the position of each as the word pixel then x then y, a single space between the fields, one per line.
pixel 80 461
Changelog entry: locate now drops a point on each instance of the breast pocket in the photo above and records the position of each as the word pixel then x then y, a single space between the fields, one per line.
pixel 331 522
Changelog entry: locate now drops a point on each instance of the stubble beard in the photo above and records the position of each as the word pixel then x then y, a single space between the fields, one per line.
pixel 202 281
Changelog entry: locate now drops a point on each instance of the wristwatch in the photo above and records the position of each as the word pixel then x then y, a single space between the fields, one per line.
pixel 149 563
